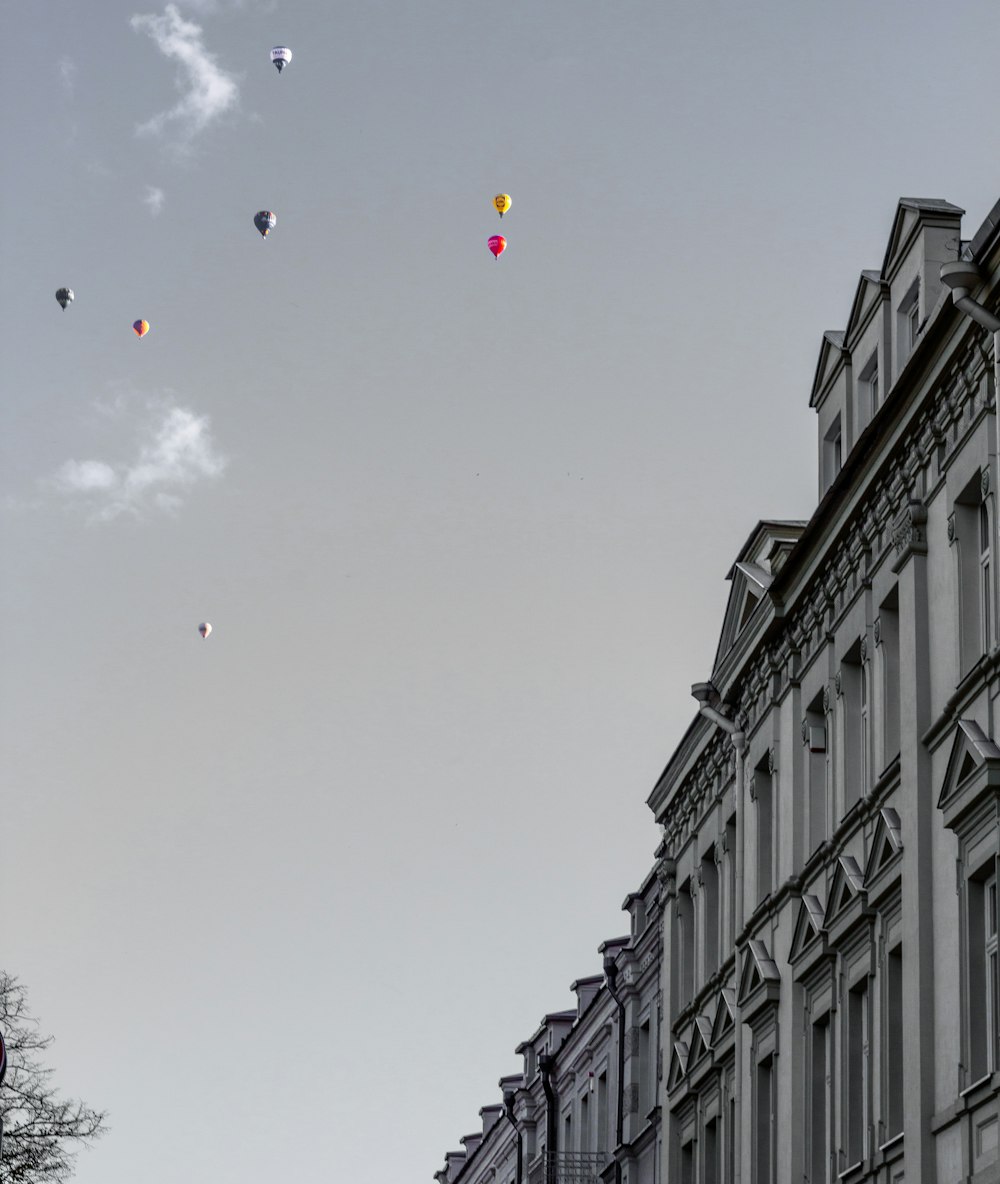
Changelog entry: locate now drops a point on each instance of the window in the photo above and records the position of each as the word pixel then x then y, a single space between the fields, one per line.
pixel 856 1061
pixel 984 578
pixel 710 911
pixel 731 884
pixel 684 948
pixel 603 1141
pixel 984 974
pixel 820 1064
pixel 854 696
pixel 893 1026
pixel 568 1133
pixel 645 1071
pixel 814 733
pixel 764 1145
pixel 868 392
pixel 710 1169
pixel 908 322
pixel 688 1150
pixel 887 644
pixel 972 536
pixel 731 1142
pixel 763 794
pixel 585 1123
pixel 833 453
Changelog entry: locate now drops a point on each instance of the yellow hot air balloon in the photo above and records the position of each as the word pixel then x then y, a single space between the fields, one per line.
pixel 502 203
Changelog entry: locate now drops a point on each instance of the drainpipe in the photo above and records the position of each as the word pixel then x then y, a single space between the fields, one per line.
pixel 546 1065
pixel 962 276
pixel 508 1110
pixel 611 976
pixel 709 703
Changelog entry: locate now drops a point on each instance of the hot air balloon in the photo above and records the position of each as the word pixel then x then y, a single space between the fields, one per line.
pixel 281 55
pixel 205 629
pixel 141 328
pixel 497 244
pixel 264 220
pixel 64 296
pixel 502 203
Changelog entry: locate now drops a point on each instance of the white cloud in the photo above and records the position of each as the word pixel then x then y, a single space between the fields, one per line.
pixel 67 73
pixel 154 199
pixel 207 91
pixel 178 451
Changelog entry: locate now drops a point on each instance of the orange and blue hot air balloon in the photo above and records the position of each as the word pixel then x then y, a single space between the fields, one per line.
pixel 497 244
pixel 141 328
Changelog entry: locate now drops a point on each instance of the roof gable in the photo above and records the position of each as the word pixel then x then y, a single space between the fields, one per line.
pixel 866 296
pixel 911 212
pixel 760 980
pixel 831 358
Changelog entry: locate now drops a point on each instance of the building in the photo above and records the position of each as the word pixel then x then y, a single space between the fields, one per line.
pixel 830 817
pixel 814 955
pixel 584 1109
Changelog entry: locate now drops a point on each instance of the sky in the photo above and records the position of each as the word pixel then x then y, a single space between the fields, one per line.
pixel 289 898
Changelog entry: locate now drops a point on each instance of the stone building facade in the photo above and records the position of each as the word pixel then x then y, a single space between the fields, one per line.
pixel 810 991
pixel 831 997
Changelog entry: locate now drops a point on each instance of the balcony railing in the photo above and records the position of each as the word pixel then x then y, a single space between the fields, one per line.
pixel 568 1167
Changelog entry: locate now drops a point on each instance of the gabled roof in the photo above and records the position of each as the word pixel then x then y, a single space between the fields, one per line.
pixel 701 1043
pixel 864 295
pixel 830 353
pixel 910 212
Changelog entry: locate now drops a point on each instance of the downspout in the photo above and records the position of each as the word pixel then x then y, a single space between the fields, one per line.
pixel 508 1110
pixel 611 976
pixel 546 1064
pixel 704 693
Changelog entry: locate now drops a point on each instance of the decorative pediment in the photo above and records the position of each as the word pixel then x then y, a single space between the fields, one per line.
pixel 751 577
pixel 759 981
pixel 973 773
pixel 831 360
pixel 701 1042
pixel 808 937
pixel 724 1020
pixel 848 886
pixel 678 1063
pixel 887 846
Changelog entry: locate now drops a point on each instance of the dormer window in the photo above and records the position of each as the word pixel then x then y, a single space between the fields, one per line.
pixel 908 321
pixel 833 453
pixel 868 392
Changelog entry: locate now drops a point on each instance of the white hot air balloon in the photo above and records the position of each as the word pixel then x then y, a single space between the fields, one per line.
pixel 281 55
pixel 204 628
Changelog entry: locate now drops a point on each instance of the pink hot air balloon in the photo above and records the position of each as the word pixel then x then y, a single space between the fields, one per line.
pixel 497 244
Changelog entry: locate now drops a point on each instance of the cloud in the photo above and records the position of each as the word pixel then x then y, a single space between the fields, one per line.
pixel 67 73
pixel 207 91
pixel 154 199
pixel 178 451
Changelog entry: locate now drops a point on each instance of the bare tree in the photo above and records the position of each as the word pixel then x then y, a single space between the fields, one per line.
pixel 42 1132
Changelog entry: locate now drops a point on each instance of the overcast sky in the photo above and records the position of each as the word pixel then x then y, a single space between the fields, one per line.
pixel 289 898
